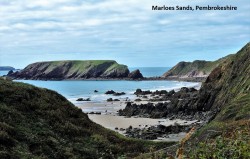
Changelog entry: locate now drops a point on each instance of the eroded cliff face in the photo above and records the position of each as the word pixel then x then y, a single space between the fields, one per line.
pixel 227 88
pixel 189 69
pixel 57 70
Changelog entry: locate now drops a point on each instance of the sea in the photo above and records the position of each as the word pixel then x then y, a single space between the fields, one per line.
pixel 73 90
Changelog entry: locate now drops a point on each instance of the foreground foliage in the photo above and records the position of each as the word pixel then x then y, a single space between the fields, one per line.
pixel 234 145
pixel 39 123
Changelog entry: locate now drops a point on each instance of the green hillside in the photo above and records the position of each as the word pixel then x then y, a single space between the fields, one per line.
pixel 58 70
pixel 197 68
pixel 228 87
pixel 40 123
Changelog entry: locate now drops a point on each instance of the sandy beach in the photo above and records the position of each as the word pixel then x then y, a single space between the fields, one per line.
pixel 106 114
pixel 113 121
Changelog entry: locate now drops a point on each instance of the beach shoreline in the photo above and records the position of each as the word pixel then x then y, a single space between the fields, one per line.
pixel 106 114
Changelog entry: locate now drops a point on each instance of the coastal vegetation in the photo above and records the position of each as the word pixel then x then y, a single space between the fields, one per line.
pixel 226 95
pixel 75 69
pixel 40 123
pixel 191 70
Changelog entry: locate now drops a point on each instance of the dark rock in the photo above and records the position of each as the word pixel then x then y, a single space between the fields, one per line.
pixel 81 99
pixel 119 93
pixel 109 99
pixel 95 91
pixel 182 105
pixel 140 92
pixel 97 113
pixel 171 92
pixel 110 92
pixel 135 74
pixel 10 72
pixel 153 132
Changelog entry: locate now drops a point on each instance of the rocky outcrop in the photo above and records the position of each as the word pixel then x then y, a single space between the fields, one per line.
pixel 228 87
pixel 136 74
pixel 82 99
pixel 181 104
pixel 226 92
pixel 153 132
pixel 197 70
pixel 58 70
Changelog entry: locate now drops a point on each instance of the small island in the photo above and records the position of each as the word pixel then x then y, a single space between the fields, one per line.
pixel 6 68
pixel 76 70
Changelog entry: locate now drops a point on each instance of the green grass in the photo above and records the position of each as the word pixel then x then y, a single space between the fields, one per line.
pixel 233 143
pixel 183 68
pixel 77 69
pixel 40 123
pixel 233 103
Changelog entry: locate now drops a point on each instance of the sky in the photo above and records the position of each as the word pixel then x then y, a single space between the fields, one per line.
pixel 127 31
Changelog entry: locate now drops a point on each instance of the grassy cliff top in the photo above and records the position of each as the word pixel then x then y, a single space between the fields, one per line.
pixel 72 69
pixel 184 68
pixel 79 65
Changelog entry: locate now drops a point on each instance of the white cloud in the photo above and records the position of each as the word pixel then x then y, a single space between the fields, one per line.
pixel 118 25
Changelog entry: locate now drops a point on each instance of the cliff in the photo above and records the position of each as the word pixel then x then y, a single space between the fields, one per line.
pixel 40 123
pixel 226 95
pixel 58 70
pixel 226 91
pixel 228 85
pixel 197 69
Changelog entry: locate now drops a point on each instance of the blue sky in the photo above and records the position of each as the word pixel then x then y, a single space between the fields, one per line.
pixel 124 30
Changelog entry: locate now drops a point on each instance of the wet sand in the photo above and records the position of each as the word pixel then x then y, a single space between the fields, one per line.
pixel 112 121
pixel 102 107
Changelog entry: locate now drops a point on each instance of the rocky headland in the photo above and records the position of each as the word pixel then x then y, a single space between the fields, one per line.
pixel 76 70
pixel 197 70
